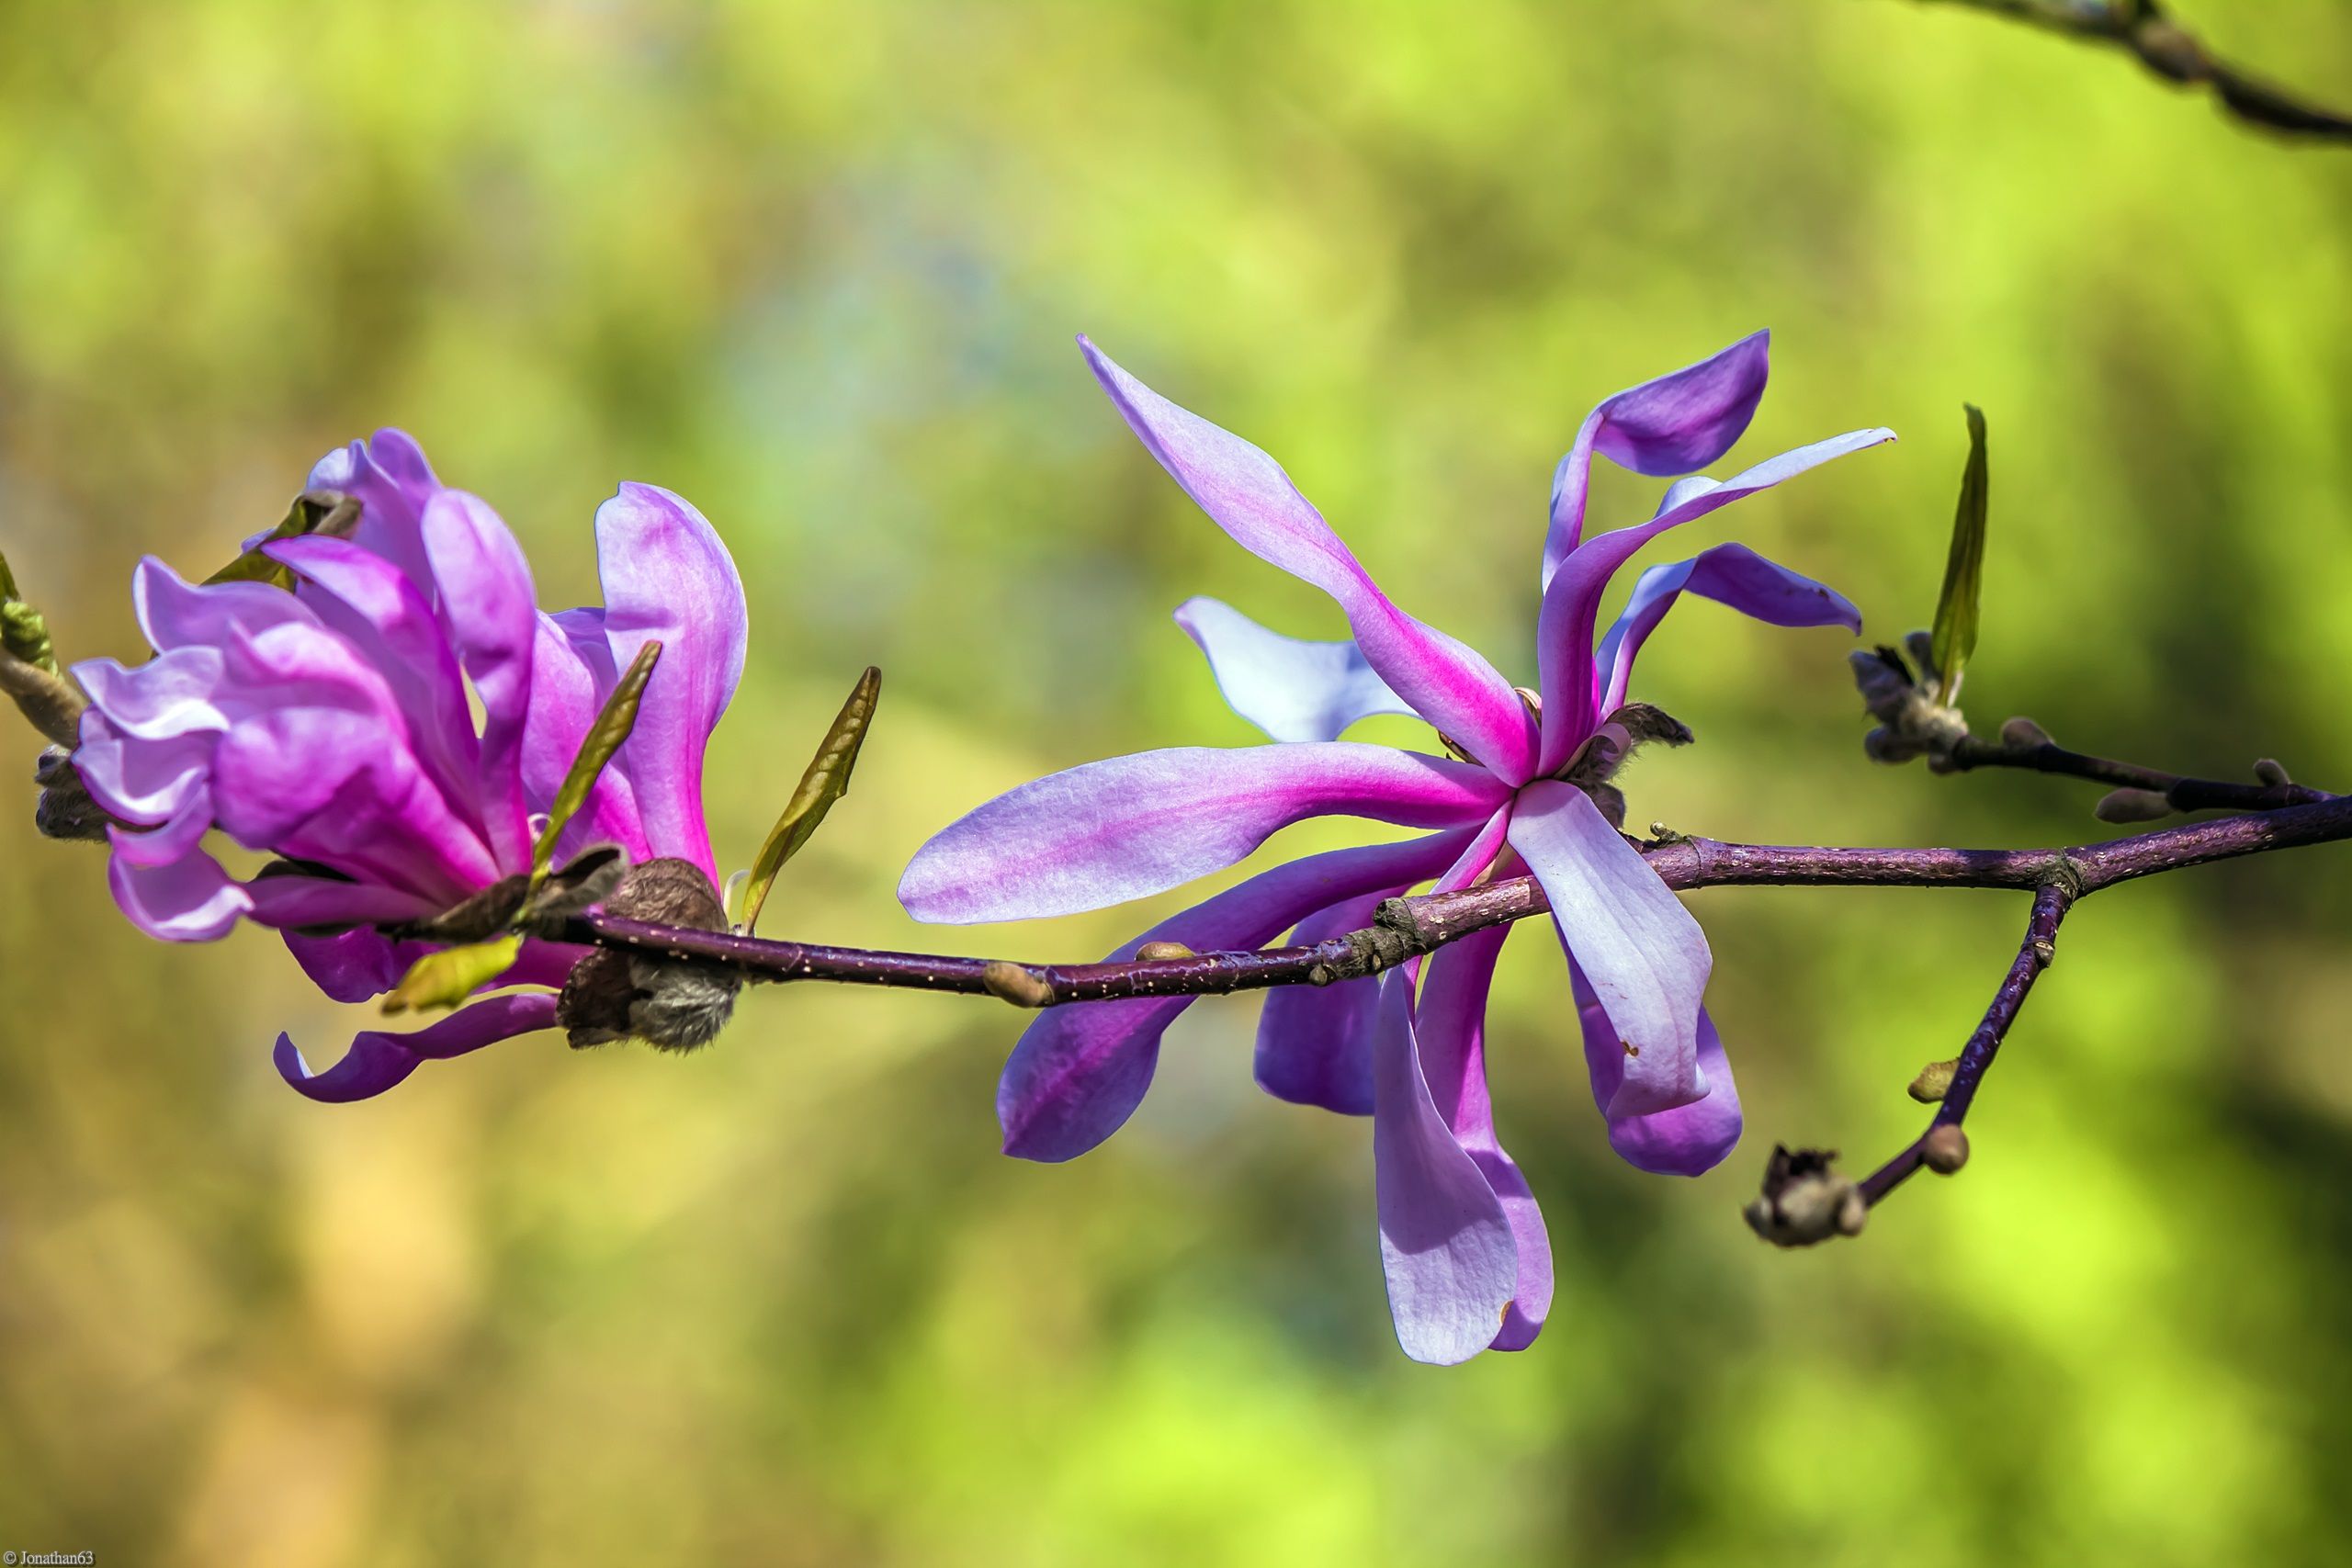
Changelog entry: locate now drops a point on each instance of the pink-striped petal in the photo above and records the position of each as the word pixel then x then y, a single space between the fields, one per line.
pixel 571 674
pixel 1133 826
pixel 1081 1071
pixel 1572 599
pixel 1644 956
pixel 1245 493
pixel 387 475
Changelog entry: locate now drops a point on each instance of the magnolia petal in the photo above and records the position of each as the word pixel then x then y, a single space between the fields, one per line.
pixel 491 618
pixel 372 604
pixel 1729 574
pixel 1644 956
pixel 1292 690
pixel 571 674
pixel 1315 1042
pixel 1446 1246
pixel 1572 599
pixel 171 694
pixel 1133 826
pixel 142 781
pixel 187 899
pixel 293 900
pixel 387 475
pixel 668 578
pixel 1080 1071
pixel 1245 493
pixel 1685 1140
pixel 1682 420
pixel 353 965
pixel 1452 1029
pixel 377 1060
pixel 175 614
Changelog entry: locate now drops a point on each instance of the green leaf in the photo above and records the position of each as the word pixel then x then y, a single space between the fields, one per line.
pixel 604 736
pixel 1956 610
pixel 314 511
pixel 8 582
pixel 444 978
pixel 826 781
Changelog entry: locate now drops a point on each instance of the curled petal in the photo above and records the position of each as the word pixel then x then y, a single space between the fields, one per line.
pixel 1133 826
pixel 1080 1071
pixel 172 693
pixel 1446 1246
pixel 493 623
pixel 1452 1030
pixel 668 578
pixel 1572 599
pixel 1729 574
pixel 1290 689
pixel 378 1060
pixel 187 899
pixel 1685 1140
pixel 142 781
pixel 1672 426
pixel 175 614
pixel 1644 955
pixel 1245 493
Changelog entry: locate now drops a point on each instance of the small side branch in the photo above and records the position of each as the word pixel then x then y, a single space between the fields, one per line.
pixel 2143 29
pixel 1942 1145
pixel 2180 794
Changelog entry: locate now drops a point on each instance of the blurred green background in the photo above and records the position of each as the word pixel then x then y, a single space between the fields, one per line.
pixel 817 267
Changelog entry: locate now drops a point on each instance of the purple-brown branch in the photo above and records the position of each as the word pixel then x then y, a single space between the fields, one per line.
pixel 2046 756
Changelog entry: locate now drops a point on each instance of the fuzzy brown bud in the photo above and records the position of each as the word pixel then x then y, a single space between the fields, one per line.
pixel 1944 1150
pixel 2271 772
pixel 1805 1200
pixel 2023 731
pixel 1013 983
pixel 2131 806
pixel 670 1004
pixel 1153 952
pixel 1934 1081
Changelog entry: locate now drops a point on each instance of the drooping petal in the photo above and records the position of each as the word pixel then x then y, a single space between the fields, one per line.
pixel 1672 425
pixel 1729 574
pixel 353 965
pixel 668 576
pixel 1643 953
pixel 1246 494
pixel 1685 1140
pixel 571 674
pixel 1572 599
pixel 1292 690
pixel 1080 1071
pixel 188 898
pixel 1446 1246
pixel 292 900
pixel 1452 1029
pixel 1133 826
pixel 377 1060
pixel 492 619
pixel 372 604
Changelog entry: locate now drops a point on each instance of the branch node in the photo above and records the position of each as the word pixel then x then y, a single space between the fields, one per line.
pixel 1014 983
pixel 1945 1148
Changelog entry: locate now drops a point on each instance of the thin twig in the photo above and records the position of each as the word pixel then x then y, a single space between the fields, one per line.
pixel 2051 902
pixel 2181 793
pixel 2143 29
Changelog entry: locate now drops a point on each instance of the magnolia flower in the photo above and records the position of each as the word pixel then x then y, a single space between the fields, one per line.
pixel 332 727
pixel 1463 1243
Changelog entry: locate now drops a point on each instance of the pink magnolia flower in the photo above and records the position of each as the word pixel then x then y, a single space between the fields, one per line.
pixel 1462 1240
pixel 330 727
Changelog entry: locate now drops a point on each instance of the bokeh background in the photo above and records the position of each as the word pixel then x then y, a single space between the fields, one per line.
pixel 817 267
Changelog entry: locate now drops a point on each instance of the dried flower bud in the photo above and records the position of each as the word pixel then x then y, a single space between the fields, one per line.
pixel 670 1004
pixel 1911 722
pixel 2131 806
pixel 1944 1150
pixel 66 810
pixel 1805 1200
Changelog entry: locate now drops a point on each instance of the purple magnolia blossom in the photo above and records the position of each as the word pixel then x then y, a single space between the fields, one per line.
pixel 332 727
pixel 1463 1243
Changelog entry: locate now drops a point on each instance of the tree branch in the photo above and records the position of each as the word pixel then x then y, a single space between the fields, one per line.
pixel 2143 29
pixel 2046 756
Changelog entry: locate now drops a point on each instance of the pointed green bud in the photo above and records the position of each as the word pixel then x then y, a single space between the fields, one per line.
pixel 326 512
pixel 446 978
pixel 823 782
pixel 1957 607
pixel 604 736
